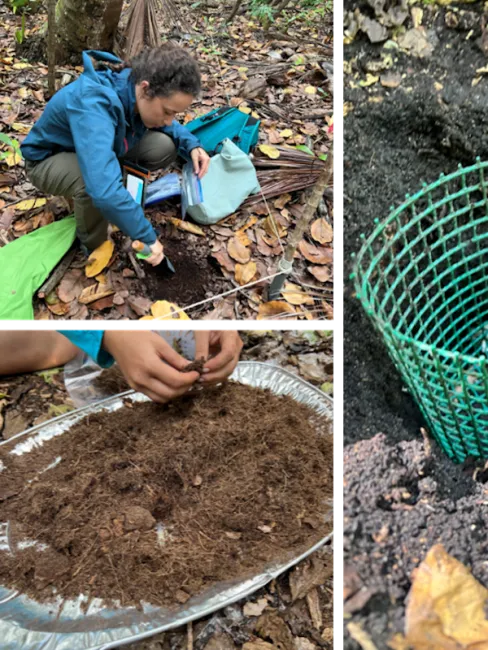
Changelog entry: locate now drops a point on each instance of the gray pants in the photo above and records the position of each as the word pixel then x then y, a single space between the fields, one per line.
pixel 61 175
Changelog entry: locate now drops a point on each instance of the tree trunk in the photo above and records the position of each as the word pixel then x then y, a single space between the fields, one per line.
pixel 85 25
pixel 51 47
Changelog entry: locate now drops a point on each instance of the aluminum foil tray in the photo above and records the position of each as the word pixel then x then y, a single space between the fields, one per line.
pixel 29 625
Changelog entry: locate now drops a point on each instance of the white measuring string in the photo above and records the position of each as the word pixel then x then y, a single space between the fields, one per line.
pixel 172 314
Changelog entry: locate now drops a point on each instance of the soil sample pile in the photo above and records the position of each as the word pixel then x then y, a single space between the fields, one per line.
pixel 156 502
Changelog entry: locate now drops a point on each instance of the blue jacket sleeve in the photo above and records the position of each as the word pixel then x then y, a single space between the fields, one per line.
pixel 183 139
pixel 92 124
pixel 90 341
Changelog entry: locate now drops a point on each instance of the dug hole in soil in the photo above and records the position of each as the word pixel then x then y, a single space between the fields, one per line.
pixel 402 495
pixel 237 476
pixel 195 278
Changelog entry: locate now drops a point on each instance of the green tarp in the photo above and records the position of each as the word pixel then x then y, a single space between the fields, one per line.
pixel 26 263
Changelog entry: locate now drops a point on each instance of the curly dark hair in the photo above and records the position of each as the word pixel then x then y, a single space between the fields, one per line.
pixel 168 69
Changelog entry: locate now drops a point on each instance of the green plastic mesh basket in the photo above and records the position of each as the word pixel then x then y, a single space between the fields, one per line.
pixel 422 277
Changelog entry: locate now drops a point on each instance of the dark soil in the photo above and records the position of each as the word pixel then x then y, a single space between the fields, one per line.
pixel 238 477
pixel 197 365
pixel 390 148
pixel 195 278
pixel 111 381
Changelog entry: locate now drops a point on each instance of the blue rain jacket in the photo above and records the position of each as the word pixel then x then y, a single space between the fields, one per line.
pixel 94 116
pixel 90 341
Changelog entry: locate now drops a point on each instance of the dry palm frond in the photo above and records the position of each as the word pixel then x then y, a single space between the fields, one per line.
pixel 142 24
pixel 294 170
pixel 135 28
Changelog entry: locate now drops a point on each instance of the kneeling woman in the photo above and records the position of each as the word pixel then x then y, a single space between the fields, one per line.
pixel 115 112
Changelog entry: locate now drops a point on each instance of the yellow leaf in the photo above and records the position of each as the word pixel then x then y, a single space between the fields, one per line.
pixel 255 115
pixel 30 204
pixel 164 310
pixel 446 606
pixel 186 225
pixel 99 259
pixel 242 237
pixel 21 128
pixel 147 318
pixel 293 294
pixel 245 272
pixel 311 90
pixel 101 278
pixel 269 151
pixel 250 222
pixel 21 66
pixel 321 231
pixel 24 92
pixel 94 292
pixel 286 133
pixel 245 109
pixel 369 81
pixel 12 159
pixel 242 69
pixel 274 308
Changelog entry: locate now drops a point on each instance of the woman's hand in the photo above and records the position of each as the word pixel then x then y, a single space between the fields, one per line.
pixel 149 364
pixel 225 348
pixel 201 161
pixel 157 252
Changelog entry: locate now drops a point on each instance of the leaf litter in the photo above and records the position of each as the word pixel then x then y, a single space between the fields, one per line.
pixel 290 91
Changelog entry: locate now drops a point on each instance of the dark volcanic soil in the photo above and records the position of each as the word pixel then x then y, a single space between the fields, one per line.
pixel 414 133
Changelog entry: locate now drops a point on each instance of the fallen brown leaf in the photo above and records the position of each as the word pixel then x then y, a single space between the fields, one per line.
pixel 293 294
pixel 224 260
pixel 139 304
pixel 103 303
pixel 274 308
pixel 322 231
pixel 245 272
pixel 273 228
pixel 321 273
pixel 306 576
pixel 238 252
pixel 271 626
pixel 59 308
pixel 446 607
pixel 94 292
pixel 315 254
pixel 255 609
pixel 313 603
pixel 71 285
pixel 274 137
pixel 282 201
pixel 242 237
pixel 262 246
